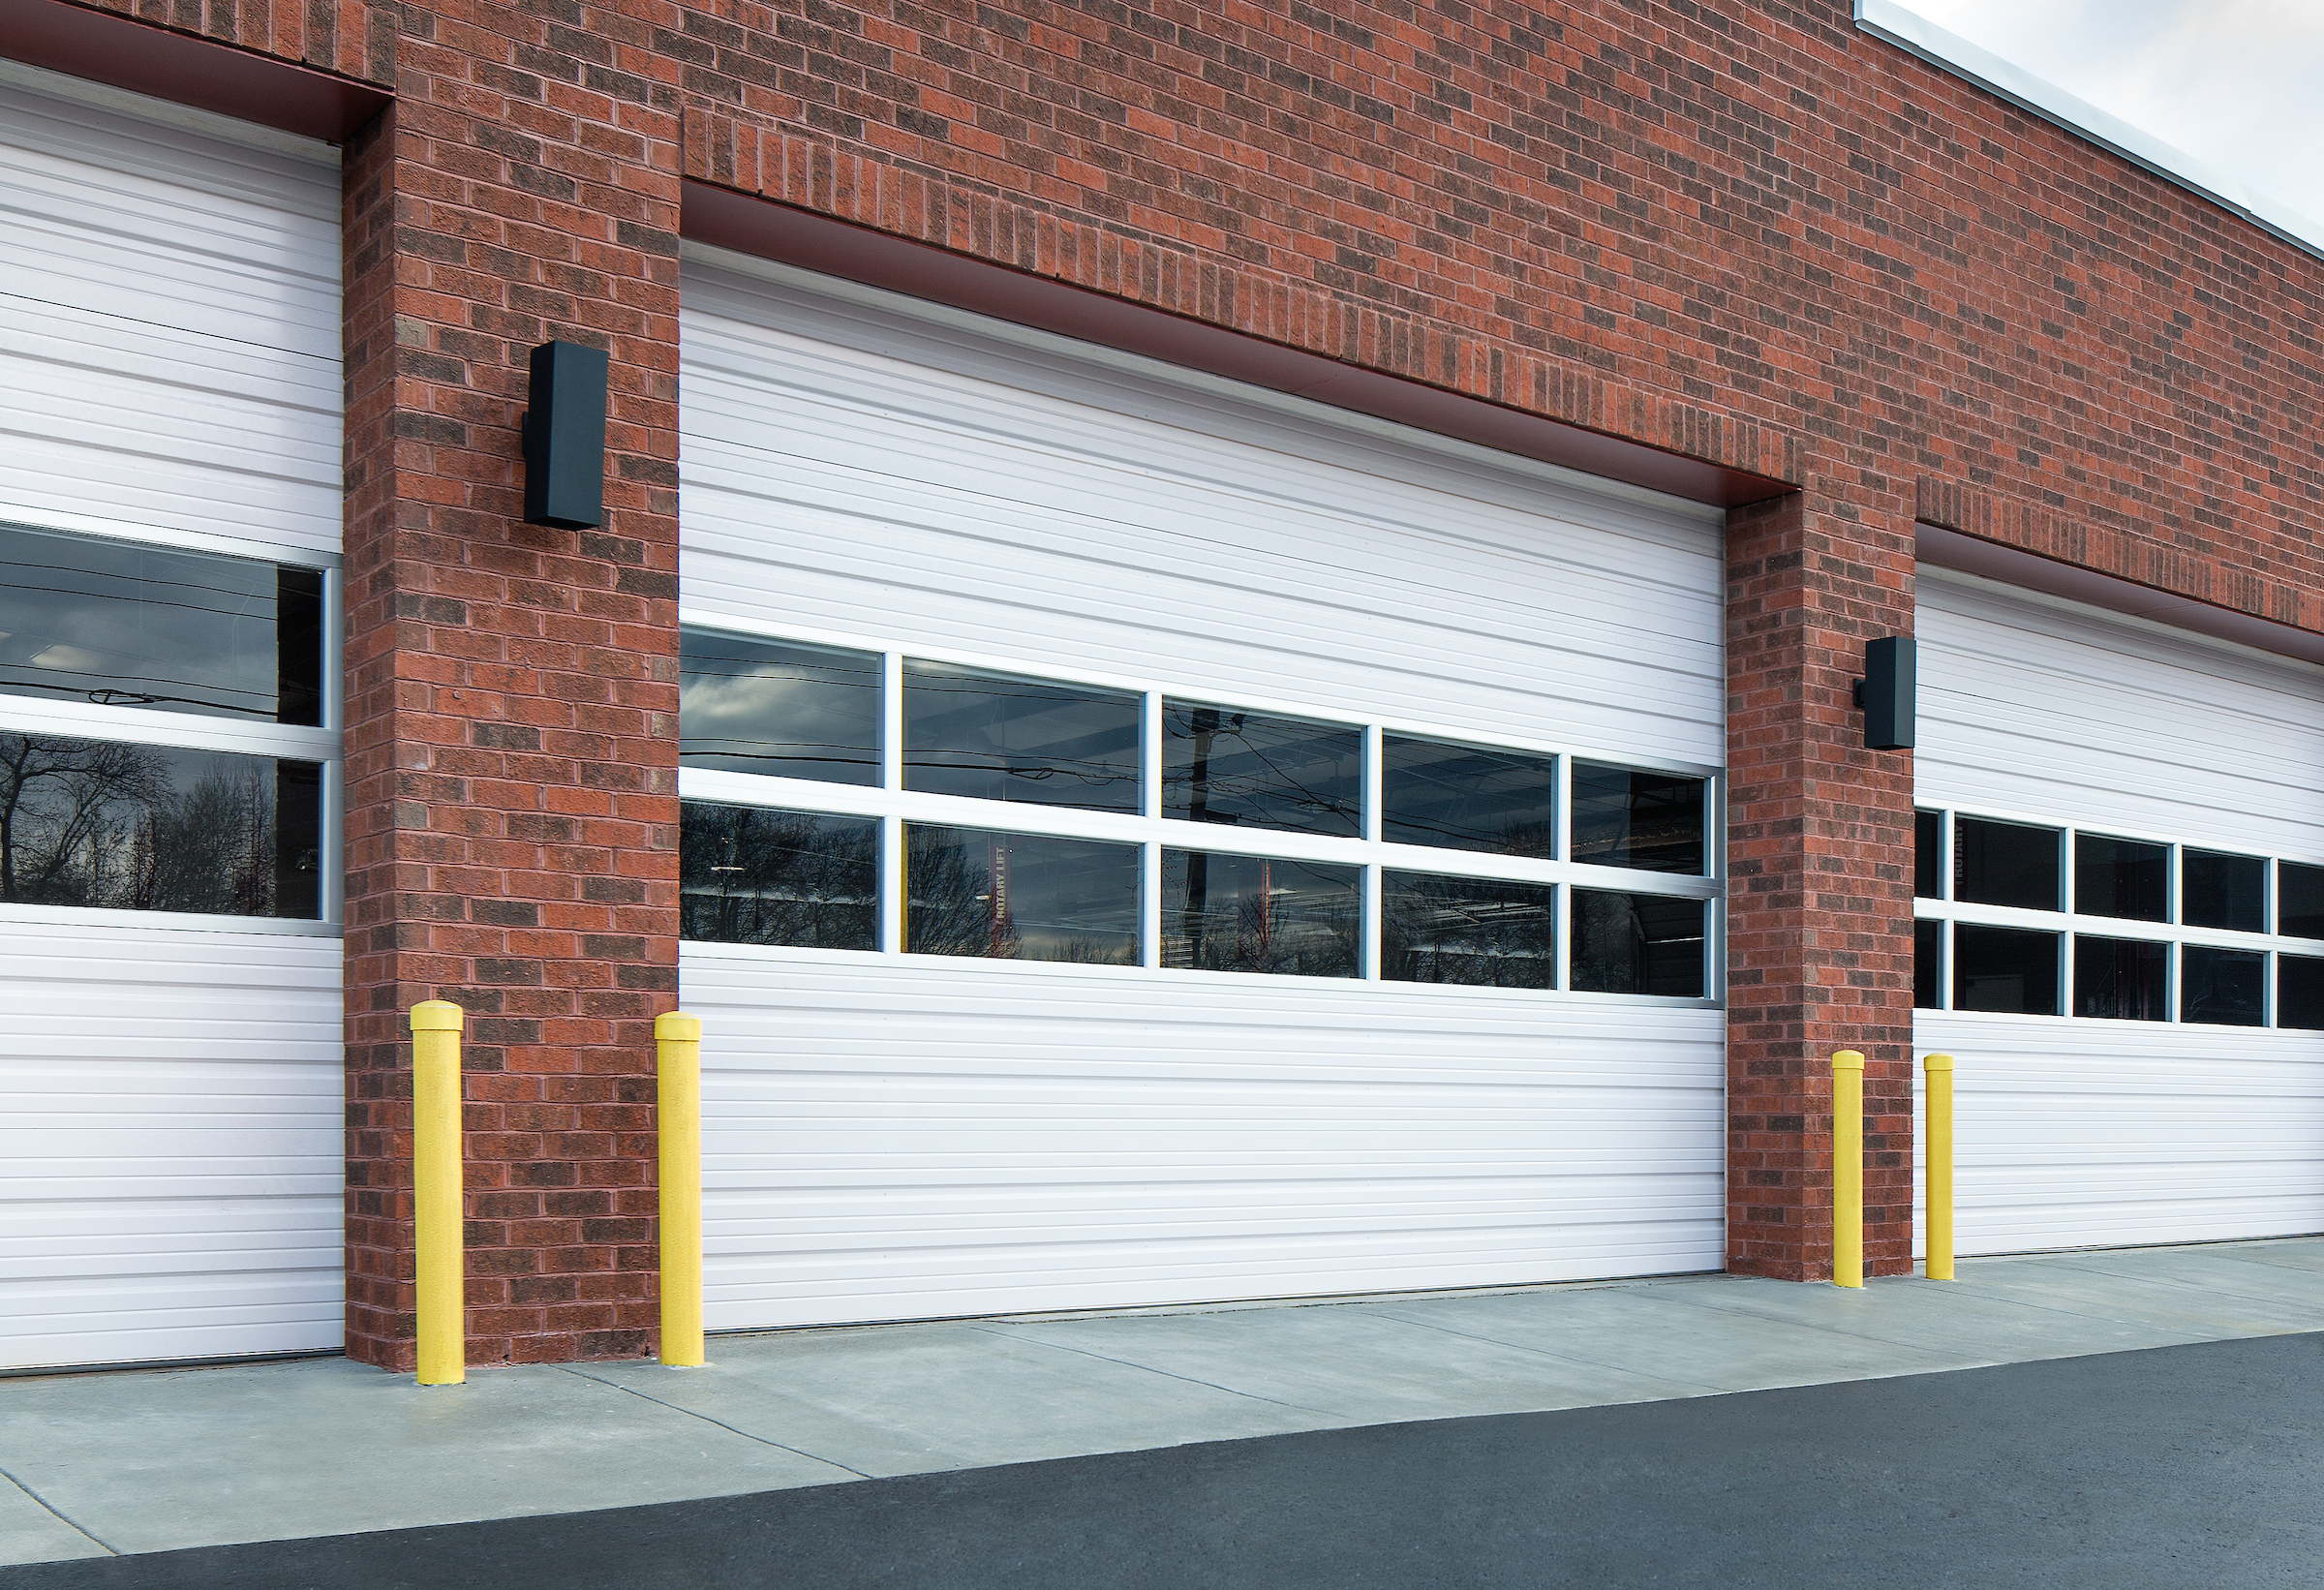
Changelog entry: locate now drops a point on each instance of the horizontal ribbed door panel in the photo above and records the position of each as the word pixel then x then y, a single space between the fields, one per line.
pixel 170 1149
pixel 888 1139
pixel 171 1098
pixel 2082 1132
pixel 892 1137
pixel 170 338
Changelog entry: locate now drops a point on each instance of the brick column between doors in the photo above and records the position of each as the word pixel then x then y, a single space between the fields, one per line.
pixel 1819 907
pixel 511 786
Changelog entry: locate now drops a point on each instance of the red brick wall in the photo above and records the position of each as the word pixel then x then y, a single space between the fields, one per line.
pixel 1736 229
pixel 1820 869
pixel 511 785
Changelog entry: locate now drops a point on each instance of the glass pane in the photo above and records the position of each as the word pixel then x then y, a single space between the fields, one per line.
pixel 773 707
pixel 2299 900
pixel 1927 854
pixel 2222 987
pixel 992 737
pixel 1250 913
pixel 1020 896
pixel 1928 964
pixel 1465 798
pixel 2005 864
pixel 2122 878
pixel 751 875
pixel 2300 992
pixel 1448 929
pixel 2224 891
pixel 87 619
pixel 2125 979
pixel 2009 969
pixel 1637 943
pixel 146 827
pixel 1222 766
pixel 1623 817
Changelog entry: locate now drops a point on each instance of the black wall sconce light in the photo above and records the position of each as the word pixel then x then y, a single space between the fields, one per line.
pixel 1886 693
pixel 564 436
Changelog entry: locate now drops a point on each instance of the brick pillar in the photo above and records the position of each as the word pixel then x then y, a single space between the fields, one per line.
pixel 511 690
pixel 1819 907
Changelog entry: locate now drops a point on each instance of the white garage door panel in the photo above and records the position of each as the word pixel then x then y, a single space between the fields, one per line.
pixel 2081 1134
pixel 2051 710
pixel 893 1137
pixel 984 498
pixel 887 1139
pixel 2072 1132
pixel 172 1154
pixel 170 329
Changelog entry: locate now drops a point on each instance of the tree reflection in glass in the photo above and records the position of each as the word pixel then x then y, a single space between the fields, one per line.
pixel 1020 896
pixel 1626 943
pixel 1475 931
pixel 754 876
pixel 1261 914
pixel 105 824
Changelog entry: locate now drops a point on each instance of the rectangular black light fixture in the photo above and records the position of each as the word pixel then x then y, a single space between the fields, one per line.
pixel 1886 693
pixel 564 436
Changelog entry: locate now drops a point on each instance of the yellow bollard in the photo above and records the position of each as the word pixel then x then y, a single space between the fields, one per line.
pixel 1939 1069
pixel 437 1236
pixel 677 1041
pixel 1847 1169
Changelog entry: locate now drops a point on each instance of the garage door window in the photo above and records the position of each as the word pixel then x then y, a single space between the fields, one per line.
pixel 2147 929
pixel 868 800
pixel 164 743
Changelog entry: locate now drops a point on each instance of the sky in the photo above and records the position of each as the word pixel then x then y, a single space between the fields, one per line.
pixel 2236 83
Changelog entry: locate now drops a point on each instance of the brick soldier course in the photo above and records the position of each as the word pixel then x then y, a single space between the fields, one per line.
pixel 1743 233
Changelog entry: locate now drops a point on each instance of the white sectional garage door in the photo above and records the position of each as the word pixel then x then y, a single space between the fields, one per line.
pixel 2193 1108
pixel 905 1135
pixel 170 1078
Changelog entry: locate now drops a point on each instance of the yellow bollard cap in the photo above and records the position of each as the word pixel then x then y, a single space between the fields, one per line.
pixel 677 1026
pixel 436 1016
pixel 1847 1059
pixel 1937 1062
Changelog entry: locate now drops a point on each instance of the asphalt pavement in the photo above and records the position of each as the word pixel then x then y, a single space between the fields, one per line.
pixel 2198 1465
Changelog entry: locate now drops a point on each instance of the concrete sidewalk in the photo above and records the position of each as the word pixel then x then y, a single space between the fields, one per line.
pixel 150 1461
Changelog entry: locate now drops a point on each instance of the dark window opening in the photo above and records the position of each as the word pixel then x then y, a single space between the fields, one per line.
pixel 2005 864
pixel 1627 943
pixel 773 707
pixel 2012 970
pixel 118 623
pixel 2300 992
pixel 2125 878
pixel 1467 798
pixel 1474 930
pixel 1626 817
pixel 2122 979
pixel 2224 988
pixel 2223 891
pixel 994 736
pixel 110 825
pixel 1928 964
pixel 1259 914
pixel 1020 896
pixel 2299 900
pixel 1220 765
pixel 1928 855
pixel 753 875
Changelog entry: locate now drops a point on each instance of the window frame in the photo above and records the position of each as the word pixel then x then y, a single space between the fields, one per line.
pixel 895 805
pixel 2072 923
pixel 320 744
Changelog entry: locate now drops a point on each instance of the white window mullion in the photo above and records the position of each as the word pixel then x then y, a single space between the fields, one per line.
pixel 1149 904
